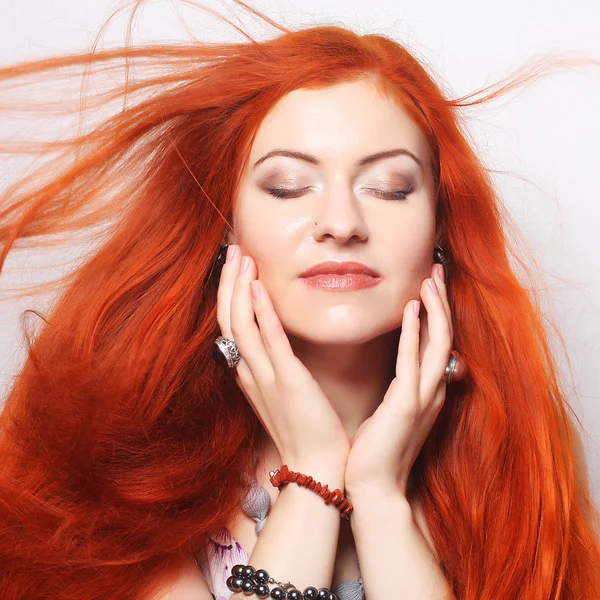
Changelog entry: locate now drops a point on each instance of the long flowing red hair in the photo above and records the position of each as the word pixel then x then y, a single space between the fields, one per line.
pixel 123 446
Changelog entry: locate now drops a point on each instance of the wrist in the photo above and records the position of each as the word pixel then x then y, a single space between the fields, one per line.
pixel 369 497
pixel 326 473
pixel 330 491
pixel 317 466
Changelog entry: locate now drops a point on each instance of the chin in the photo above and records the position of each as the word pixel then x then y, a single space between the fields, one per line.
pixel 346 332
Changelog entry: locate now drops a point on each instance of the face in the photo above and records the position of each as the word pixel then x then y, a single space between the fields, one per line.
pixel 337 206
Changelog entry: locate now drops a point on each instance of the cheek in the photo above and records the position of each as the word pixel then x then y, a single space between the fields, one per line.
pixel 270 237
pixel 410 249
pixel 252 228
pixel 268 246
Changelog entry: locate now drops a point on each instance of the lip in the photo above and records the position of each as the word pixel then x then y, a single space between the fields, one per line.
pixel 350 281
pixel 331 267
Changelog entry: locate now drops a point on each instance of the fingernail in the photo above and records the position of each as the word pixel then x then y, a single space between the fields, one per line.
pixel 255 289
pixel 433 286
pixel 244 264
pixel 230 253
pixel 416 307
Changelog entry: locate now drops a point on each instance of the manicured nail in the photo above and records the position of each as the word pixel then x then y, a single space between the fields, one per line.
pixel 433 286
pixel 230 253
pixel 439 269
pixel 255 289
pixel 244 264
pixel 416 307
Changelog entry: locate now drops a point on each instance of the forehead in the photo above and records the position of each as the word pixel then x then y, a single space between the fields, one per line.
pixel 338 123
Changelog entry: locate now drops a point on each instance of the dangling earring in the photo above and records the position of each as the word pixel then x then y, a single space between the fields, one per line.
pixel 218 264
pixel 439 255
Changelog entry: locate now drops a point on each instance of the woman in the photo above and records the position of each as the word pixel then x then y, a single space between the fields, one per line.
pixel 144 441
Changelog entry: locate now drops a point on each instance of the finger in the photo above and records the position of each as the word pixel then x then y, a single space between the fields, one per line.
pixel 227 280
pixel 407 362
pixel 275 340
pixel 437 352
pixel 438 275
pixel 245 329
pixel 225 290
pixel 424 335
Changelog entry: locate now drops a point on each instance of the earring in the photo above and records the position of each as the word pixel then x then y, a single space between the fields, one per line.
pixel 218 264
pixel 439 256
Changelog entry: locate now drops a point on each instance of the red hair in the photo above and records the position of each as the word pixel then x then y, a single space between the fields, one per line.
pixel 123 446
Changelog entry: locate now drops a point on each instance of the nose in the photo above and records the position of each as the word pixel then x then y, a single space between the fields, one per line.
pixel 339 215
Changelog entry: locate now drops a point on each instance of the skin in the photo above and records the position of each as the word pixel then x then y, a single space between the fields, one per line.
pixel 347 340
pixel 342 395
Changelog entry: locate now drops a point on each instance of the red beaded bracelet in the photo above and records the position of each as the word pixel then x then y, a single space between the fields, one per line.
pixel 283 475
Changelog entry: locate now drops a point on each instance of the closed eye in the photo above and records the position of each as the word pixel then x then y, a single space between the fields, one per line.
pixel 292 193
pixel 286 192
pixel 394 194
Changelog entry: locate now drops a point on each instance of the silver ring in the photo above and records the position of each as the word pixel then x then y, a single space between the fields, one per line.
pixel 225 352
pixel 456 368
pixel 451 367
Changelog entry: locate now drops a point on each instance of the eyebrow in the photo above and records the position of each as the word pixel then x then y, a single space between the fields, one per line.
pixel 371 158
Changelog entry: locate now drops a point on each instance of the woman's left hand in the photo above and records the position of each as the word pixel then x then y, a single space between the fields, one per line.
pixel 387 443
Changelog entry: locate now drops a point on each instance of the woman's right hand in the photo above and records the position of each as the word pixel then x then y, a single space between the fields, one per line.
pixel 291 405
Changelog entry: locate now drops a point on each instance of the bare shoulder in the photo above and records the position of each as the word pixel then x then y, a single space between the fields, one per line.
pixel 190 584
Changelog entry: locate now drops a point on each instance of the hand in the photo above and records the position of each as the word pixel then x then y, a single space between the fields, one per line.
pixel 282 392
pixel 387 444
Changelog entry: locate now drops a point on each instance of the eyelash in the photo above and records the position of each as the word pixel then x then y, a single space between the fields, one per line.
pixel 282 193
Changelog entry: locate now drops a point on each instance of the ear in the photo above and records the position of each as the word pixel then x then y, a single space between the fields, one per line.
pixel 229 237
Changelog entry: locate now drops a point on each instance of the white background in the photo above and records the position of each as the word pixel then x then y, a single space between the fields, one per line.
pixel 544 139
